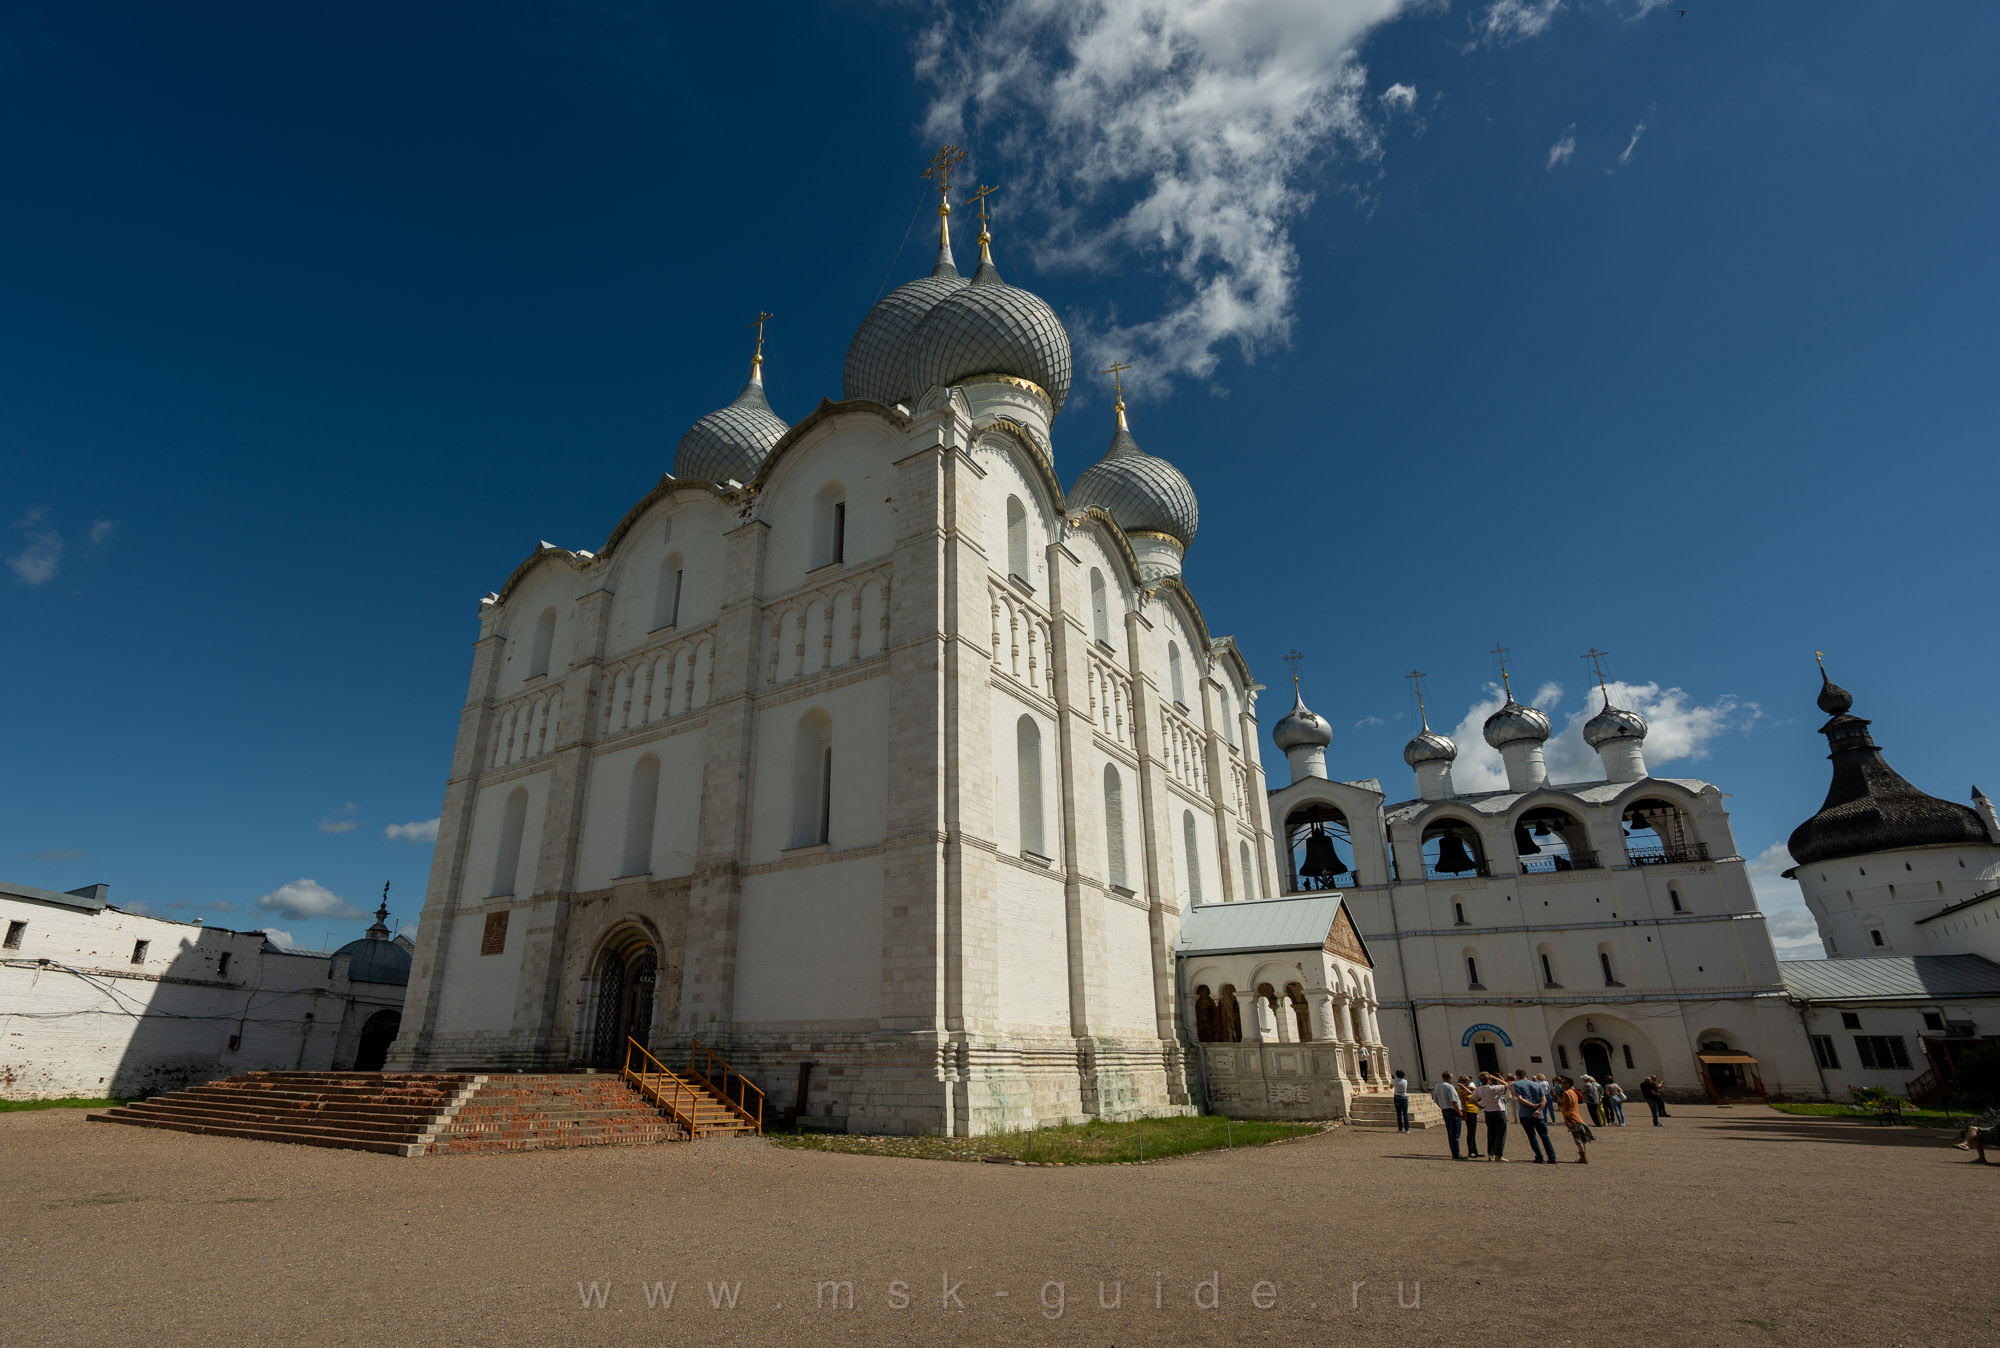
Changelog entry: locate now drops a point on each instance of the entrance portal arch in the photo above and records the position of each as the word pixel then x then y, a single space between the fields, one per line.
pixel 378 1032
pixel 627 970
pixel 1596 1058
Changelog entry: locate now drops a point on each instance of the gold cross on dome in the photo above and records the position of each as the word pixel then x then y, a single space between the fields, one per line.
pixel 1416 678
pixel 1118 367
pixel 1596 658
pixel 948 158
pixel 980 197
pixel 758 323
pixel 1294 659
pixel 1499 653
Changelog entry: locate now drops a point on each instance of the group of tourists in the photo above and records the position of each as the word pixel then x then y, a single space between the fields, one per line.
pixel 1533 1103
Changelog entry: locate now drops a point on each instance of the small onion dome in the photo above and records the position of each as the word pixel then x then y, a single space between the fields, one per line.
pixel 1429 747
pixel 878 359
pixel 1613 723
pixel 1833 699
pixel 1300 728
pixel 375 959
pixel 1144 494
pixel 731 443
pixel 990 327
pixel 1514 723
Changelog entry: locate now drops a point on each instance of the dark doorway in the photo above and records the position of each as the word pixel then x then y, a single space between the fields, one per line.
pixel 1488 1056
pixel 1597 1058
pixel 625 980
pixel 378 1032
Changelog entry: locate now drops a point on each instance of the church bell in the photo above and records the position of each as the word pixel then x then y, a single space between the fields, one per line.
pixel 1524 842
pixel 1452 856
pixel 1322 862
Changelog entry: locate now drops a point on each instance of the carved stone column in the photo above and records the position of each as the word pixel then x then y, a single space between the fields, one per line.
pixel 1249 1007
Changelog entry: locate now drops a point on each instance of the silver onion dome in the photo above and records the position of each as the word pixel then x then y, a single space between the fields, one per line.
pixel 990 327
pixel 1611 724
pixel 1301 728
pixel 1514 723
pixel 1430 747
pixel 731 443
pixel 1143 493
pixel 878 358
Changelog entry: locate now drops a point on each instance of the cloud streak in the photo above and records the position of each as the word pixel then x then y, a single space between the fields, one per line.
pixel 36 562
pixel 55 856
pixel 1565 146
pixel 1632 145
pixel 1505 22
pixel 307 898
pixel 341 820
pixel 423 830
pixel 1184 133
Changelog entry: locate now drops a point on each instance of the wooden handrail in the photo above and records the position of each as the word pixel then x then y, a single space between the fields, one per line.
pixel 654 1081
pixel 702 1062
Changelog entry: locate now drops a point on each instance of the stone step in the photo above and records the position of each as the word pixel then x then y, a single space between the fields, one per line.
pixel 299 1137
pixel 395 1129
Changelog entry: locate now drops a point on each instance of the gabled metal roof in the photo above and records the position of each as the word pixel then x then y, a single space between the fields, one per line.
pixel 1292 922
pixel 90 898
pixel 1891 977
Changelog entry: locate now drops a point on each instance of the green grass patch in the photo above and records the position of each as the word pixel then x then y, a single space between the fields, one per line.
pixel 67 1102
pixel 1095 1143
pixel 1919 1115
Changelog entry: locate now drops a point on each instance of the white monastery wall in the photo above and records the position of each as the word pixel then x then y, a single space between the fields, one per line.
pixel 1888 893
pixel 809 946
pixel 676 813
pixel 1030 953
pixel 1130 995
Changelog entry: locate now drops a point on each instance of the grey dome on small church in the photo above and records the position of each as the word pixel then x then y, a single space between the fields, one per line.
pixel 1143 493
pixel 1613 723
pixel 878 357
pixel 1430 747
pixel 990 327
pixel 1301 728
pixel 375 958
pixel 731 443
pixel 1514 723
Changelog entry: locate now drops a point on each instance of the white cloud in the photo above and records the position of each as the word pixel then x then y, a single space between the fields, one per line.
pixel 1564 147
pixel 1625 155
pixel 1510 21
pixel 101 532
pixel 282 939
pixel 1678 729
pixel 39 557
pixel 341 820
pixel 1367 721
pixel 423 830
pixel 1214 114
pixel 1794 933
pixel 307 898
pixel 1400 97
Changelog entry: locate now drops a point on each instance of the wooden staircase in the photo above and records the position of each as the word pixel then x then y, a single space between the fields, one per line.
pixel 710 1097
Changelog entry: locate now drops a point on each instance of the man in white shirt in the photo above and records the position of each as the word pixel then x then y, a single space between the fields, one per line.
pixel 1446 1096
pixel 1492 1096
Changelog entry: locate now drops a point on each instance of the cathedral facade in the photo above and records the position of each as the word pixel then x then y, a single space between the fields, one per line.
pixel 862 752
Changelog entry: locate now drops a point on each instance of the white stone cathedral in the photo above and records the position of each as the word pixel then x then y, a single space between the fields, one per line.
pixel 862 752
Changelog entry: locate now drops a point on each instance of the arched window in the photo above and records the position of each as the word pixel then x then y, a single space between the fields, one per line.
pixel 1545 956
pixel 812 779
pixel 513 822
pixel 1604 961
pixel 1191 843
pixel 1657 834
pixel 1231 1014
pixel 1174 675
pixel 1321 848
pixel 1472 970
pixel 1551 840
pixel 1114 826
pixel 1452 847
pixel 667 596
pixel 1028 772
pixel 640 807
pixel 1295 1002
pixel 1017 540
pixel 1249 875
pixel 1100 608
pixel 1458 913
pixel 1228 718
pixel 545 642
pixel 829 525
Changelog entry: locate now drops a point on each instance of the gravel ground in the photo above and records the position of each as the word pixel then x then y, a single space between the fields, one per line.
pixel 1725 1226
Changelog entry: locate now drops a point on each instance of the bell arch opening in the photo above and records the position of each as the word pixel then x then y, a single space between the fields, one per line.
pixel 1321 848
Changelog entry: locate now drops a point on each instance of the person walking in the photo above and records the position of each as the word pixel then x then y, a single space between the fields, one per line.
pixel 1593 1094
pixel 1655 1098
pixel 1530 1099
pixel 1572 1114
pixel 1468 1109
pixel 1614 1102
pixel 1492 1096
pixel 1446 1095
pixel 1401 1091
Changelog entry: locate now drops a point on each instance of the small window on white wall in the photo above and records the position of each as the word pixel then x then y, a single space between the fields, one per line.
pixel 545 642
pixel 829 526
pixel 1191 844
pixel 1017 539
pixel 1100 608
pixel 640 807
pixel 1028 766
pixel 1114 826
pixel 667 597
pixel 812 780
pixel 513 821
pixel 1174 675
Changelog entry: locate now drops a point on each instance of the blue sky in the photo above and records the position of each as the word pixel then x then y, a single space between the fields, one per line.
pixel 1555 325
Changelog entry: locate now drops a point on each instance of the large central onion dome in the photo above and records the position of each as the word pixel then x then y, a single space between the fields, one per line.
pixel 731 443
pixel 878 359
pixel 990 327
pixel 1146 495
pixel 1514 723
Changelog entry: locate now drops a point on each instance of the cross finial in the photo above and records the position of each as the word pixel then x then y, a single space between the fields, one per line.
pixel 1416 678
pixel 1821 657
pixel 948 158
pixel 980 197
pixel 1596 658
pixel 1499 653
pixel 1118 368
pixel 758 323
pixel 1294 659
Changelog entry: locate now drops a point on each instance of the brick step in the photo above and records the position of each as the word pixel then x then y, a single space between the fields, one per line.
pixel 387 1109
pixel 304 1138
pixel 398 1131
